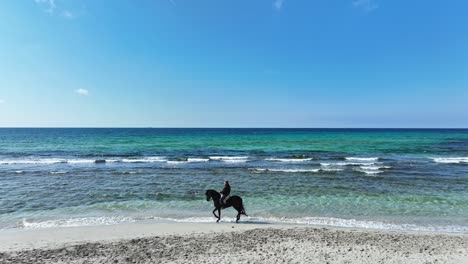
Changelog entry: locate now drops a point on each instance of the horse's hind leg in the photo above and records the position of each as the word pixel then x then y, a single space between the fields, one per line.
pixel 238 217
pixel 219 215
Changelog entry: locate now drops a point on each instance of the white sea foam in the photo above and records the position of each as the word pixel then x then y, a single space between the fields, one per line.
pixel 353 223
pixel 369 168
pixel 347 164
pixel 364 167
pixel 331 169
pixel 458 160
pixel 49 161
pixel 230 159
pixel 75 222
pixel 354 163
pixel 144 160
pixel 289 160
pixel 177 162
pixel 32 161
pixel 189 160
pixel 370 172
pixel 286 170
pixel 58 172
pixel 197 160
pixel 80 161
pixel 331 221
pixel 235 161
pixel 372 169
pixel 361 159
pixel 315 221
pixel 19 172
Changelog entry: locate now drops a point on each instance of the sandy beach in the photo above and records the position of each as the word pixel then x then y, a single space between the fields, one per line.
pixel 228 243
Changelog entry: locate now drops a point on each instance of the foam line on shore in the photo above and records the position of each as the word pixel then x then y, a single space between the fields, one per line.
pixel 314 221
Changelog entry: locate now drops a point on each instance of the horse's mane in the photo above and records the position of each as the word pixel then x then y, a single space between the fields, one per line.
pixel 213 192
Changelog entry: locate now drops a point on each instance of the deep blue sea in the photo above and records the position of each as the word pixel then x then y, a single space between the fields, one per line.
pixel 395 179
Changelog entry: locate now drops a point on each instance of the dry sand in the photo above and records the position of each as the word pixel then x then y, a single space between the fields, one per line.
pixel 228 243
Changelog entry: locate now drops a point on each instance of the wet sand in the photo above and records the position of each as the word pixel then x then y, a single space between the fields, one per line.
pixel 228 243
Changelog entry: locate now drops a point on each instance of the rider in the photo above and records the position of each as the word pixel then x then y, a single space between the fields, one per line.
pixel 225 192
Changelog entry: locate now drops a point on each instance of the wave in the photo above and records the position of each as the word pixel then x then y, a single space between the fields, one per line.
pixel 459 160
pixel 189 160
pixel 197 160
pixel 50 161
pixel 312 221
pixel 58 172
pixel 143 160
pixel 232 159
pixel 347 164
pixel 286 170
pixel 115 155
pixel 331 169
pixel 177 162
pixel 82 161
pixel 368 224
pixel 32 161
pixel 76 161
pixel 364 167
pixel 288 160
pixel 126 172
pixel 372 169
pixel 76 222
pixel 361 159
pixel 370 172
pixel 336 222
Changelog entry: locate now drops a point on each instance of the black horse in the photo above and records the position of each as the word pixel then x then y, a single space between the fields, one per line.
pixel 234 201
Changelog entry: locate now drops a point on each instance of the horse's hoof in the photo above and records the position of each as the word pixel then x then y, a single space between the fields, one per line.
pixel 217 221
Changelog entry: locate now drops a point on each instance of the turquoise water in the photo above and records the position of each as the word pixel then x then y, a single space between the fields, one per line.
pixel 390 179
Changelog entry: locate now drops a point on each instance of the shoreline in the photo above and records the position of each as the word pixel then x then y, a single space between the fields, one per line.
pixel 198 242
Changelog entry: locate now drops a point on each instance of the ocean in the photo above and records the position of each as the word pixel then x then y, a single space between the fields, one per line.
pixel 396 179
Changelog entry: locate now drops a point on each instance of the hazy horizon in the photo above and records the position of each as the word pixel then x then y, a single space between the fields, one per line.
pixel 292 128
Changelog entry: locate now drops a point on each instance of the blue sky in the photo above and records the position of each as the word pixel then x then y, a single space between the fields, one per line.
pixel 216 63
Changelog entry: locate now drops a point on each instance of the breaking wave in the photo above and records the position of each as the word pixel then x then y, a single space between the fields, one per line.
pixel 76 222
pixel 288 160
pixel 459 160
pixel 286 170
pixel 313 221
pixel 232 159
pixel 361 159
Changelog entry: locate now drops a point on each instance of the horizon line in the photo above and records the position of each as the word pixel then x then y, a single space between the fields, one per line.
pixel 156 127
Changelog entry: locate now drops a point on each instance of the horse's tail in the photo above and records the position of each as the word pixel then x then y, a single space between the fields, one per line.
pixel 242 211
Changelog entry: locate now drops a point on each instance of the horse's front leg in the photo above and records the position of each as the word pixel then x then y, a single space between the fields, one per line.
pixel 219 215
pixel 215 213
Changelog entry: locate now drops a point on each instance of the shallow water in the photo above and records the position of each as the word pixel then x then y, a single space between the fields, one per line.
pixel 390 179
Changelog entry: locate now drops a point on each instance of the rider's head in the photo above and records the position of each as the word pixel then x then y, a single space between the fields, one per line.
pixel 226 183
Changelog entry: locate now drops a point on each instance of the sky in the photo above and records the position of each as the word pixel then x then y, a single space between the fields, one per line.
pixel 244 63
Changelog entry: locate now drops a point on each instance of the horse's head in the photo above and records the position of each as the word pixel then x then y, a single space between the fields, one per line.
pixel 208 195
